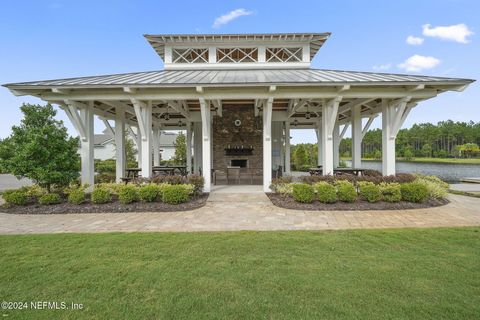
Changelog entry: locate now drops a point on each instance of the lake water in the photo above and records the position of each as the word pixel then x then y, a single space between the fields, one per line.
pixel 446 172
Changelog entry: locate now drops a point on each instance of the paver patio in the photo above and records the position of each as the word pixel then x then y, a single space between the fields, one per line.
pixel 246 211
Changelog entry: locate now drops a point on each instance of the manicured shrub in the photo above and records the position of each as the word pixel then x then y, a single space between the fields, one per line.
pixel 101 195
pixel 391 191
pixel 114 188
pixel 370 191
pixel 128 194
pixel 326 192
pixel 414 192
pixel 346 191
pixel 315 179
pixel 437 189
pixel 35 191
pixel 49 198
pixel 284 189
pixel 303 192
pixel 282 185
pixel 17 197
pixel 149 192
pixel 175 194
pixel 198 182
pixel 76 196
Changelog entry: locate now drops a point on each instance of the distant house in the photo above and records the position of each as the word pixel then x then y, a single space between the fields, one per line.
pixel 104 146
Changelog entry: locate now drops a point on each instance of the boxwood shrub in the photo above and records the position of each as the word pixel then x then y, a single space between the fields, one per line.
pixel 15 197
pixel 76 196
pixel 370 191
pixel 175 193
pixel 303 192
pixel 128 194
pixel 414 192
pixel 50 198
pixel 326 192
pixel 101 195
pixel 346 191
pixel 149 192
pixel 391 191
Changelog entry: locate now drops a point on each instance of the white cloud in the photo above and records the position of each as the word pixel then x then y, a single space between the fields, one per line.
pixel 382 67
pixel 232 15
pixel 414 41
pixel 418 63
pixel 458 32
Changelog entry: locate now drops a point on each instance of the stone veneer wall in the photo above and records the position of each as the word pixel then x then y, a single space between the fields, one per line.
pixel 249 133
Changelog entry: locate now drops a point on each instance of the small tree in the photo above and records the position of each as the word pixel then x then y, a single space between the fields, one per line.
pixel 180 156
pixel 40 148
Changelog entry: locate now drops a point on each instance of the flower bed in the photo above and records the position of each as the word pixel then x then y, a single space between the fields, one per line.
pixel 157 194
pixel 369 192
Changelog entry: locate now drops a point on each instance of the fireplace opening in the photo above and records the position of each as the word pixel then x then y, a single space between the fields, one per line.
pixel 242 163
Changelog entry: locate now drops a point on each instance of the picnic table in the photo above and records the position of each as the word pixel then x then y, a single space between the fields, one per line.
pixel 132 173
pixel 316 171
pixel 352 171
pixel 170 170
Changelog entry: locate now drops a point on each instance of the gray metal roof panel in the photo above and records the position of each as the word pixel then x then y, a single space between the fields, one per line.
pixel 235 77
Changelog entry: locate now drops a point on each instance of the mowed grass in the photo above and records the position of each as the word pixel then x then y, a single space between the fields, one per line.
pixel 364 274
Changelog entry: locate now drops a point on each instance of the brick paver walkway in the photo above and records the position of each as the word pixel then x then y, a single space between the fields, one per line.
pixel 246 211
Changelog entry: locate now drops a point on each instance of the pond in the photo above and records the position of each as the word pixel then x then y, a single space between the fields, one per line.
pixel 445 171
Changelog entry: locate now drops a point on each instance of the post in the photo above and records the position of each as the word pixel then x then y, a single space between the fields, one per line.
pixel 336 145
pixel 267 145
pixel 329 118
pixel 318 131
pixel 206 143
pixel 119 144
pixel 138 142
pixel 156 146
pixel 88 171
pixel 197 147
pixel 189 147
pixel 388 140
pixel 356 137
pixel 287 148
pixel 143 112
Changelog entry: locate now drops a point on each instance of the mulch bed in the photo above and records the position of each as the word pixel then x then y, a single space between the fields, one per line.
pixel 113 207
pixel 290 203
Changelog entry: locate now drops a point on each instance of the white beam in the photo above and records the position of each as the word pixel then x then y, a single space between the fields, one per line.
pixel 156 132
pixel 357 137
pixel 217 103
pixel 189 147
pixel 140 107
pixel 86 147
pixel 267 145
pixel 336 145
pixel 329 119
pixel 367 125
pixel 146 152
pixel 108 126
pixel 297 106
pixel 206 143
pixel 388 139
pixel 287 148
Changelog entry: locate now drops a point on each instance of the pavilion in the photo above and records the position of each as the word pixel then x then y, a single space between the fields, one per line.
pixel 238 96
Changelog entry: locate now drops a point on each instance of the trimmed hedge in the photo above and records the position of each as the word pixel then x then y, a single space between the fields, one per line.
pixel 149 192
pixel 101 195
pixel 128 194
pixel 370 191
pixel 414 192
pixel 50 198
pixel 303 192
pixel 15 197
pixel 175 193
pixel 76 196
pixel 391 191
pixel 346 191
pixel 326 192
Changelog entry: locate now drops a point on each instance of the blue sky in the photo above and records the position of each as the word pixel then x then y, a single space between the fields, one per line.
pixel 55 39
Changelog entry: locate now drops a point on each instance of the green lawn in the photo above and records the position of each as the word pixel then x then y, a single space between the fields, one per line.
pixel 367 274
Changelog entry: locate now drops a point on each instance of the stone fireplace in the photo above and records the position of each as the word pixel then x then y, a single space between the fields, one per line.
pixel 237 138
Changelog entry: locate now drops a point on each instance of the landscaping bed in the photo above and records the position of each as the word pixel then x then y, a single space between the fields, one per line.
pixel 289 203
pixel 112 207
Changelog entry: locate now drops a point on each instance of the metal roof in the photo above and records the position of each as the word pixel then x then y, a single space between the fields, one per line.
pixel 190 78
pixel 158 41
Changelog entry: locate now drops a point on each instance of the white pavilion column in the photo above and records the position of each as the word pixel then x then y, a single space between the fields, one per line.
pixel 197 147
pixel 318 132
pixel 206 143
pixel 329 118
pixel 143 111
pixel 138 142
pixel 120 157
pixel 156 146
pixel 388 141
pixel 356 137
pixel 267 145
pixel 189 147
pixel 336 145
pixel 287 148
pixel 81 116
